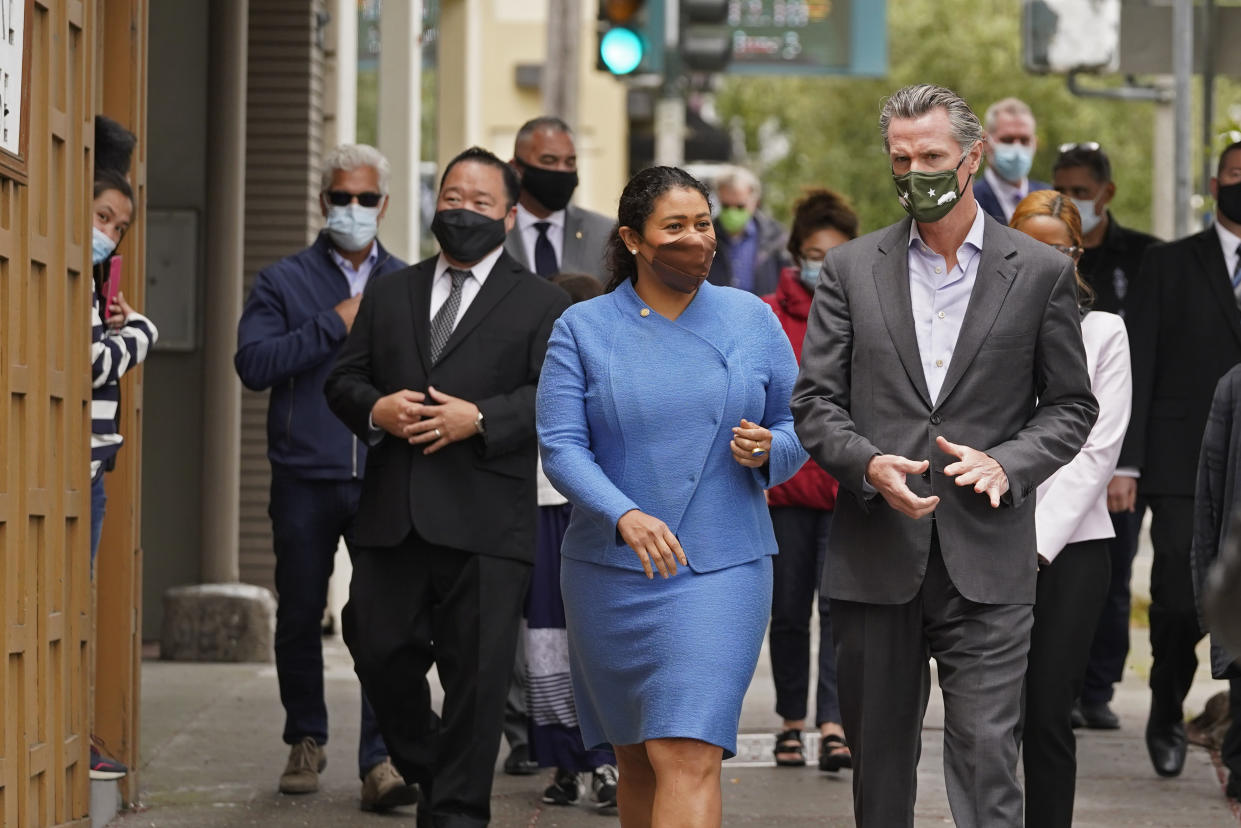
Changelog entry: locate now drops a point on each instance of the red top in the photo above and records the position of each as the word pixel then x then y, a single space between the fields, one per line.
pixel 811 487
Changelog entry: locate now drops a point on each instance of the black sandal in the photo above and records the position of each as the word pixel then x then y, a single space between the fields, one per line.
pixel 786 743
pixel 831 759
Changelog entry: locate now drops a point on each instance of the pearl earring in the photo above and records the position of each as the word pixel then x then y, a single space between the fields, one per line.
pixel 634 251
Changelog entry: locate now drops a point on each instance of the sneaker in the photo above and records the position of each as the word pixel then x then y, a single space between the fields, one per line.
pixel 105 767
pixel 307 760
pixel 603 784
pixel 385 788
pixel 564 789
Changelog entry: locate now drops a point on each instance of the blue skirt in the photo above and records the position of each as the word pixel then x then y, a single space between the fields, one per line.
pixel 653 659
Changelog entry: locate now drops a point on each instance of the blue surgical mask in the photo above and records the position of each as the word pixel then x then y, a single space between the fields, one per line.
pixel 1012 161
pixel 101 245
pixel 352 227
pixel 810 273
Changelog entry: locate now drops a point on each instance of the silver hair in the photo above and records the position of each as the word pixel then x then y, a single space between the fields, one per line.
pixel 1007 106
pixel 919 99
pixel 740 178
pixel 351 156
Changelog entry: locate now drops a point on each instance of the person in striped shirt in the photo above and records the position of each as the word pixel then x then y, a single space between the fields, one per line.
pixel 119 341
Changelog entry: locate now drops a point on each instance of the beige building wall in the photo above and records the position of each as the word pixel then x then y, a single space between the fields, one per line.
pixel 482 44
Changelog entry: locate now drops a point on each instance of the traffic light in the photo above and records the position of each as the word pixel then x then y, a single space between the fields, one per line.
pixel 631 37
pixel 706 42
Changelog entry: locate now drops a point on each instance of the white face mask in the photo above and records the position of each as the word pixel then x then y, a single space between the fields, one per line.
pixel 352 227
pixel 101 245
pixel 1090 219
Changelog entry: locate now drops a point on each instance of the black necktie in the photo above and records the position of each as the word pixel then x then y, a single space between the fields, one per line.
pixel 446 317
pixel 544 253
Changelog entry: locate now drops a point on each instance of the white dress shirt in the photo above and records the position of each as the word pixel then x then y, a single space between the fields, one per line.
pixel 1072 503
pixel 530 233
pixel 1229 241
pixel 441 285
pixel 1007 194
pixel 357 276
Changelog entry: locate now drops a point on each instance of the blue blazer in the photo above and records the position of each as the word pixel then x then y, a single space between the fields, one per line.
pixel 636 412
pixel 990 204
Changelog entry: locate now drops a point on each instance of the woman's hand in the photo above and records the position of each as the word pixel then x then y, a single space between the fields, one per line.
pixel 118 312
pixel 653 541
pixel 751 444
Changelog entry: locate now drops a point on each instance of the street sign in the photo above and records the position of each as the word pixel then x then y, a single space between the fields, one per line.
pixel 808 37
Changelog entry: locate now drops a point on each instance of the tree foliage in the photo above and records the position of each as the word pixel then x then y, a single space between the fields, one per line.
pixel 971 46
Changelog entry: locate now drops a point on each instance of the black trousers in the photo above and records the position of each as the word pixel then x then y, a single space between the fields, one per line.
pixel 418 604
pixel 1110 648
pixel 1230 751
pixel 1070 593
pixel 1173 615
pixel 801 535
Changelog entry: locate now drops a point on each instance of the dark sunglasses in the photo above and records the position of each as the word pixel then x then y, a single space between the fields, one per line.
pixel 1088 146
pixel 339 198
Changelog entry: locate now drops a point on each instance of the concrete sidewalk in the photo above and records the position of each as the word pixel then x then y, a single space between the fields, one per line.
pixel 211 756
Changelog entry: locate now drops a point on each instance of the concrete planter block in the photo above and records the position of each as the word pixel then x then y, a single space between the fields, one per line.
pixel 218 622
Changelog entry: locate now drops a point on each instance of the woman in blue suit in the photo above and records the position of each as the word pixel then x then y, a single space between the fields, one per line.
pixel 663 414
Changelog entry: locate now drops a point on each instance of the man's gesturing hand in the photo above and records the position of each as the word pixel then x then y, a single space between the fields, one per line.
pixel 397 412
pixel 886 472
pixel 975 468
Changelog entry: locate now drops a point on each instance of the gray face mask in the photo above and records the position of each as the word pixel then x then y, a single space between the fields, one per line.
pixel 929 196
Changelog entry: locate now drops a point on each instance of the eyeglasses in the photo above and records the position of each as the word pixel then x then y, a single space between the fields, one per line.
pixel 339 198
pixel 1088 146
pixel 1072 251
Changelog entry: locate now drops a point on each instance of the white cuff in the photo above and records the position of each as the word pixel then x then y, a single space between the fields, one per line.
pixel 1127 471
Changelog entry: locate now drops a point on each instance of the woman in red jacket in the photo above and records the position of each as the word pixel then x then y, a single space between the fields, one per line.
pixel 801 513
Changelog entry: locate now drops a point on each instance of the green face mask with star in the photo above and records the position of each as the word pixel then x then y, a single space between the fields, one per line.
pixel 929 196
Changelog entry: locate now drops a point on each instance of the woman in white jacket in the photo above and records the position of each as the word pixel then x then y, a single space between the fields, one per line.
pixel 1073 527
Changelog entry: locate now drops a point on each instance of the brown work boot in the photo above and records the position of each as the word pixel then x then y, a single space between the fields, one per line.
pixel 385 788
pixel 301 776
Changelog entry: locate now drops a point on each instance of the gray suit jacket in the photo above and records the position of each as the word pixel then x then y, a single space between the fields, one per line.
pixel 1017 388
pixel 586 235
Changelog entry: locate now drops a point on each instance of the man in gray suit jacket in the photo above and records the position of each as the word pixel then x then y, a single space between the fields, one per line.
pixel 551 235
pixel 943 378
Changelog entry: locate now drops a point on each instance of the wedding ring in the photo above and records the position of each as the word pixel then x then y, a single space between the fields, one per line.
pixel 437 433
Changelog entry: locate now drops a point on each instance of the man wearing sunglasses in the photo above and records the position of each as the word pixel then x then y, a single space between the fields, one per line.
pixel 1009 146
pixel 296 319
pixel 1109 264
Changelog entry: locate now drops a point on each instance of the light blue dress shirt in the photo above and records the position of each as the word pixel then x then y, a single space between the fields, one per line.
pixel 940 297
pixel 357 277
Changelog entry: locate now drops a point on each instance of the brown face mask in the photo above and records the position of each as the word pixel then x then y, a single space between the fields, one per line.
pixel 683 264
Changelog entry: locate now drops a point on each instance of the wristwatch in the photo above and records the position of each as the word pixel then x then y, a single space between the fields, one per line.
pixel 479 424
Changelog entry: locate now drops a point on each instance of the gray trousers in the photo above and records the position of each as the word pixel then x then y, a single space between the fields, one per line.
pixel 882 654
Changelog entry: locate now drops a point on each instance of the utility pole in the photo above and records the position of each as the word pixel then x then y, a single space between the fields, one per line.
pixel 1183 70
pixel 560 72
pixel 670 109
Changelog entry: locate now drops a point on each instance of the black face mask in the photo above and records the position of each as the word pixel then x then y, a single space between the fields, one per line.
pixel 1229 201
pixel 551 188
pixel 467 236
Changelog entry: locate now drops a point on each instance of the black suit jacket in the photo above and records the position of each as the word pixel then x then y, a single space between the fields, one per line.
pixel 1184 334
pixel 477 495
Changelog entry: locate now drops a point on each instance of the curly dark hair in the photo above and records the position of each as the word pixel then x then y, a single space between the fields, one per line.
pixel 636 204
pixel 816 210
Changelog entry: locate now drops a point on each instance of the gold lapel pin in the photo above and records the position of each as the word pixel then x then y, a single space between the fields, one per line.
pixel 578 234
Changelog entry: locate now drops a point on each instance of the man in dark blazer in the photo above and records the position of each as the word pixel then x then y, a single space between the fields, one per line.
pixel 551 235
pixel 1184 334
pixel 943 378
pixel 1010 145
pixel 439 376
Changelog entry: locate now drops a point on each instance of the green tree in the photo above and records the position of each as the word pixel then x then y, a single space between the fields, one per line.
pixel 971 46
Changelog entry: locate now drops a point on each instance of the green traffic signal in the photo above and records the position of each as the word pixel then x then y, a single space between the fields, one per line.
pixel 621 50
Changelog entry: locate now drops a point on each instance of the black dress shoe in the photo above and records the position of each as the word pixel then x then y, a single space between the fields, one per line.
pixel 1099 717
pixel 1166 746
pixel 1076 719
pixel 519 762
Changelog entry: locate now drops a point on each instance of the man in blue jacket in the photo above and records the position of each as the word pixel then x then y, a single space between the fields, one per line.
pixel 294 323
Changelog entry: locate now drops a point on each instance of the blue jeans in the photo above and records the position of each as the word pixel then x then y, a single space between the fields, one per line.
pixel 98 505
pixel 308 518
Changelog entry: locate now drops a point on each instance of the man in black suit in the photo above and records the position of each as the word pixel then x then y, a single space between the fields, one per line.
pixel 1109 263
pixel 1184 334
pixel 439 375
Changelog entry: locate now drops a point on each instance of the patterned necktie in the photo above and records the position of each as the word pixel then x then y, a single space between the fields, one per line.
pixel 544 254
pixel 446 317
pixel 1236 277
